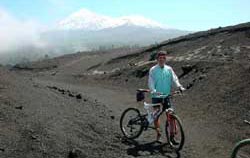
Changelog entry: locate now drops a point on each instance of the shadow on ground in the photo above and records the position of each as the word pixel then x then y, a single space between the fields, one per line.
pixel 137 149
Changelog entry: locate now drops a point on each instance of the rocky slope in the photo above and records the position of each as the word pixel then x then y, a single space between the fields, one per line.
pixel 215 68
pixel 70 106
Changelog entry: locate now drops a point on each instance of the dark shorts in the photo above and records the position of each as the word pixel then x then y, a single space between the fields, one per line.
pixel 166 102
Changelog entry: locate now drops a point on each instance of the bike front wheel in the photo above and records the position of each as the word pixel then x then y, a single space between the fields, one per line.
pixel 131 123
pixel 242 149
pixel 174 132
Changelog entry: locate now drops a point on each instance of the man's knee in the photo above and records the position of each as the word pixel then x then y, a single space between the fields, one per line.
pixel 157 122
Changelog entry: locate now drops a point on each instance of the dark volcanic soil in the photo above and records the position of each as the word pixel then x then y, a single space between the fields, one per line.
pixel 70 106
pixel 41 120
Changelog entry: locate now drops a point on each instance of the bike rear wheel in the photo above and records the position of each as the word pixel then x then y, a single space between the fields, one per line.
pixel 131 123
pixel 242 149
pixel 174 132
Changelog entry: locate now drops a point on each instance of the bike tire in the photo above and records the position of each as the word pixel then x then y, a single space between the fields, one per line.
pixel 238 146
pixel 182 141
pixel 139 132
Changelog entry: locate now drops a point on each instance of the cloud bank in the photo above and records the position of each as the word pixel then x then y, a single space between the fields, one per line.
pixel 16 34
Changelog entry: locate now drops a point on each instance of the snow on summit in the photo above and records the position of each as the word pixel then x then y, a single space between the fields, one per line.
pixel 88 20
pixel 140 21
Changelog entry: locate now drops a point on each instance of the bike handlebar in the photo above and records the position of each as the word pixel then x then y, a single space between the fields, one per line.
pixel 168 95
pixel 159 94
pixel 163 95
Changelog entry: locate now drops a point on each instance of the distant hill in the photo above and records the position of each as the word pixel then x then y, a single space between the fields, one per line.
pixel 79 40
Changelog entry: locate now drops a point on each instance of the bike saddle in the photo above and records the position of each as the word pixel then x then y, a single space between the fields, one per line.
pixel 169 110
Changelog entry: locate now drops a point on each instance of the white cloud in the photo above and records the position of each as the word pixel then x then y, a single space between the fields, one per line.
pixel 16 33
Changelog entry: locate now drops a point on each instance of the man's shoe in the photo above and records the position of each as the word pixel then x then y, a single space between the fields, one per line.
pixel 173 141
pixel 158 137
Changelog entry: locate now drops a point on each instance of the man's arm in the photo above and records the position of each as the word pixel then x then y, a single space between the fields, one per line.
pixel 176 81
pixel 151 83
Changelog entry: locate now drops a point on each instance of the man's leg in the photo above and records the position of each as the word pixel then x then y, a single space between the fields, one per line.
pixel 157 120
pixel 171 121
pixel 171 126
pixel 157 125
pixel 173 131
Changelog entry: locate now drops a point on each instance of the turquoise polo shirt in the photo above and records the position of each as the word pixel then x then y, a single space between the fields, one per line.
pixel 161 80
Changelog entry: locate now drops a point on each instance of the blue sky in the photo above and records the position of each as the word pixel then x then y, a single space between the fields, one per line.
pixel 182 14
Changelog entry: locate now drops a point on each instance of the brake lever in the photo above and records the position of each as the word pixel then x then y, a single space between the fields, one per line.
pixel 247 122
pixel 178 93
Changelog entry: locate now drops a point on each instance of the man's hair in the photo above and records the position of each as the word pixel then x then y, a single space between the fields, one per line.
pixel 161 53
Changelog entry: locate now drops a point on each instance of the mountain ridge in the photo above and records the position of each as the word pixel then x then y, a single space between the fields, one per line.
pixel 87 20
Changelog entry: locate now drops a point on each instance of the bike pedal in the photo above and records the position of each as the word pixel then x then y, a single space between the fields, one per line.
pixel 146 128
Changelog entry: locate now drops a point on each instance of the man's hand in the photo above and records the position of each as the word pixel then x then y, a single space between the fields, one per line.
pixel 156 93
pixel 181 89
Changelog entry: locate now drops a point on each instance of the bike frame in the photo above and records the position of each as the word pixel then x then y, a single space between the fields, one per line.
pixel 159 113
pixel 145 120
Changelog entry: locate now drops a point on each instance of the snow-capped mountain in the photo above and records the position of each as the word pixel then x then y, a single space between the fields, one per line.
pixel 86 30
pixel 87 20
pixel 140 21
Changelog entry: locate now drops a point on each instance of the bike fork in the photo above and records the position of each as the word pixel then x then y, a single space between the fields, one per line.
pixel 171 125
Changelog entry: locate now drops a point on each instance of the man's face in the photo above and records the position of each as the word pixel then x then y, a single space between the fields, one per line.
pixel 162 60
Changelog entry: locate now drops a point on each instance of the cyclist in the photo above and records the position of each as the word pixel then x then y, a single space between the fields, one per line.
pixel 161 79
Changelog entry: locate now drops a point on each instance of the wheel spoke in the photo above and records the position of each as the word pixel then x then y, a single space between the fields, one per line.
pixel 244 152
pixel 131 123
pixel 174 132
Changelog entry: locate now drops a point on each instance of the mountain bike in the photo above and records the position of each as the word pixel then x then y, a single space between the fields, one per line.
pixel 133 122
pixel 242 148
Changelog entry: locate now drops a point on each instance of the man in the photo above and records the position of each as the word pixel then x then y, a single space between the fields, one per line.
pixel 161 78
